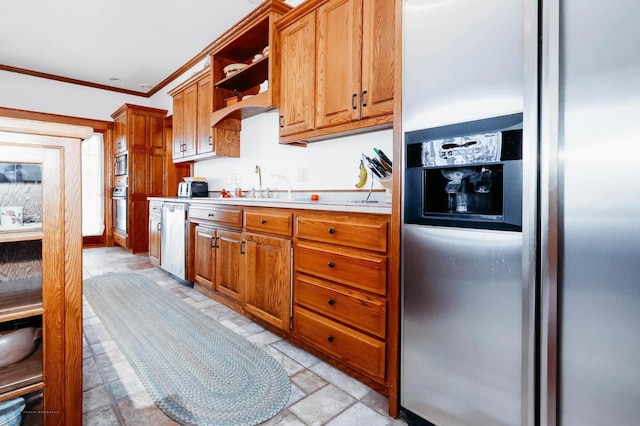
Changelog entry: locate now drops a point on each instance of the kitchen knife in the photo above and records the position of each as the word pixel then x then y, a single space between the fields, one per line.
pixel 384 158
pixel 376 169
pixel 381 166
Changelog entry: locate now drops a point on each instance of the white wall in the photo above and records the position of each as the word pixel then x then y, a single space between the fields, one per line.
pixel 24 92
pixel 331 164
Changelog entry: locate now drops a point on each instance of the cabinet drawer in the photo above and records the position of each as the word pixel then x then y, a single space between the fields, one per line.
pixel 274 223
pixel 120 239
pixel 155 208
pixel 121 180
pixel 352 232
pixel 361 270
pixel 360 351
pixel 221 216
pixel 351 307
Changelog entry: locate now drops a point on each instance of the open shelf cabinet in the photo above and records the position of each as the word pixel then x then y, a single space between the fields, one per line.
pixel 41 268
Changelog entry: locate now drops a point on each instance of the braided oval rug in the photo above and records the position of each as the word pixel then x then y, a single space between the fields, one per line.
pixel 197 371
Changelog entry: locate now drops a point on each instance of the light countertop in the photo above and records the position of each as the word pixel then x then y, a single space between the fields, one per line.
pixel 302 204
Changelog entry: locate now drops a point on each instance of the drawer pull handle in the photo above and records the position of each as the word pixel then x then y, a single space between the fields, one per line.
pixel 331 301
pixel 211 214
pixel 263 221
pixel 332 231
pixel 331 264
pixel 330 338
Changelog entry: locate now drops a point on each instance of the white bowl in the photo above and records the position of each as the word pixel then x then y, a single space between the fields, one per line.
pixel 17 345
pixel 233 68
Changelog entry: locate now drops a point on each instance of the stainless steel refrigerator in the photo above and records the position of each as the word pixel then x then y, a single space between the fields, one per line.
pixel 537 325
pixel 590 212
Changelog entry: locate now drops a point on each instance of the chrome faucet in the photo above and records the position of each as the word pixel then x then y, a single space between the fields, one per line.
pixel 288 184
pixel 259 172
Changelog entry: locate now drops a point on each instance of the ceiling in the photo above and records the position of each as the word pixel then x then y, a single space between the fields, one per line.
pixel 141 43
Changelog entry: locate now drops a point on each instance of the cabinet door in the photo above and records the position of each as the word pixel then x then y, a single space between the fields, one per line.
pixel 138 173
pixel 229 260
pixel 154 239
pixel 205 94
pixel 338 62
pixel 156 175
pixel 155 131
pixel 40 272
pixel 137 129
pixel 297 76
pixel 268 284
pixel 178 125
pixel 190 119
pixel 205 256
pixel 378 57
pixel 120 133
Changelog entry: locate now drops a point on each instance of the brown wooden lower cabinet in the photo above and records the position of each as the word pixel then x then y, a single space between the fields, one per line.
pixel 218 261
pixel 155 222
pixel 318 279
pixel 205 256
pixel 362 352
pixel 351 307
pixel 229 264
pixel 268 279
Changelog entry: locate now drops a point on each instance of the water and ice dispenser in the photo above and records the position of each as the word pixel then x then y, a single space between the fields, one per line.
pixel 465 175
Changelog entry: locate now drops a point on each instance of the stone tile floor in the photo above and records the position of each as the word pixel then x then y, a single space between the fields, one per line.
pixel 113 394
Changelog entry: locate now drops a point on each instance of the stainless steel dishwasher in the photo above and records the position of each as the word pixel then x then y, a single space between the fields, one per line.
pixel 173 239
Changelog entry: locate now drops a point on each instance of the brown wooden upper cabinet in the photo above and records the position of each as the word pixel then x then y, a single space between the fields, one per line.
pixel 249 44
pixel 337 68
pixel 298 76
pixel 208 107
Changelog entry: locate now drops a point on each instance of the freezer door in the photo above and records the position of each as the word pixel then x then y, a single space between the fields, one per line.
pixel 591 269
pixel 462 325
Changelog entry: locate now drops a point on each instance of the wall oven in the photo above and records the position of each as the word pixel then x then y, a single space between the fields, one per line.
pixel 121 168
pixel 119 197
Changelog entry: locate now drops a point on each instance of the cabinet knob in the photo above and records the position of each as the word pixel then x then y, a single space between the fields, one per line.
pixel 331 301
pixel 281 123
pixel 330 338
pixel 332 231
pixel 211 214
pixel 263 221
pixel 362 98
pixel 210 140
pixel 331 264
pixel 353 101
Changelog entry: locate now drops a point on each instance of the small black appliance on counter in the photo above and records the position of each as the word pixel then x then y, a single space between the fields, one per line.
pixel 193 189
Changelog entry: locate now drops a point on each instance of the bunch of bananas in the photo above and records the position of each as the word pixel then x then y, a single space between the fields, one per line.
pixel 362 175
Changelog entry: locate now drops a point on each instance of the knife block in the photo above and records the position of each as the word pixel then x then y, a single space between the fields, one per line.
pixel 387 183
